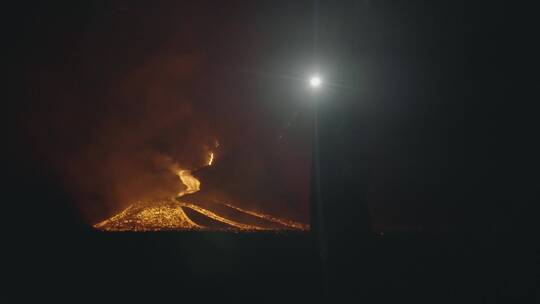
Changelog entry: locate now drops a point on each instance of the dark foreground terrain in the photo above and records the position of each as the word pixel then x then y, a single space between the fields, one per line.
pixel 251 267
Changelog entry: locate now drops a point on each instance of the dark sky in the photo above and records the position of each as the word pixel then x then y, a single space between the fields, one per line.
pixel 113 92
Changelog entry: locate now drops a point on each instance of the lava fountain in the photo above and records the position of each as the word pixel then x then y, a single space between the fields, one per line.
pixel 175 213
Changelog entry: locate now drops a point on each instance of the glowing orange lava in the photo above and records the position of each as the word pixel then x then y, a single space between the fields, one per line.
pixel 210 159
pixel 171 214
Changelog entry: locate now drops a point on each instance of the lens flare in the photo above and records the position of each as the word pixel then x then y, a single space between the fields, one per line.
pixel 315 81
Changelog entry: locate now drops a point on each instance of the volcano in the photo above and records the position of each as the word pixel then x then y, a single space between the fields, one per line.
pixel 176 213
pixel 171 215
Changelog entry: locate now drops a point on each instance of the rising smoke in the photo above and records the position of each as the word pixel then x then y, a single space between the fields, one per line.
pixel 119 147
pixel 119 106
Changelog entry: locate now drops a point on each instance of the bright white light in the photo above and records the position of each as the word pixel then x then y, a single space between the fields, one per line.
pixel 315 81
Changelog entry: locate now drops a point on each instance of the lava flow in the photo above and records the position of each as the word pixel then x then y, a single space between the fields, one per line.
pixel 176 214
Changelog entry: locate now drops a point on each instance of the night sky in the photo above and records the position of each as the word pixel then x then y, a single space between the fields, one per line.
pixel 111 93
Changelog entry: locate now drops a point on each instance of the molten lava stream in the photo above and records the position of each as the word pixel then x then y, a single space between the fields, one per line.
pixel 170 214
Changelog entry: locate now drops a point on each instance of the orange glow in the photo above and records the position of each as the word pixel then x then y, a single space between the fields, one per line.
pixel 192 184
pixel 210 159
pixel 170 214
pixel 141 217
pixel 286 223
pixel 219 218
